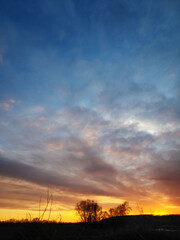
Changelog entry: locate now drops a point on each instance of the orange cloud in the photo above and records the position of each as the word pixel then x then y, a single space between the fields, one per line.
pixel 41 118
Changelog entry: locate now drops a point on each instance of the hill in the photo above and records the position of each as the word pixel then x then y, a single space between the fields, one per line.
pixel 144 227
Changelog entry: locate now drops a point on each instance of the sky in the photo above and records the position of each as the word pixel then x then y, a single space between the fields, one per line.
pixel 89 105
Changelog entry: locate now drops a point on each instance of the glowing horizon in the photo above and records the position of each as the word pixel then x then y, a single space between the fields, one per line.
pixel 37 208
pixel 71 216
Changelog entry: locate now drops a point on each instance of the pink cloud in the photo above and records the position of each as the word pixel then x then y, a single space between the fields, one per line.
pixel 8 104
pixel 12 100
pixel 5 106
pixel 41 118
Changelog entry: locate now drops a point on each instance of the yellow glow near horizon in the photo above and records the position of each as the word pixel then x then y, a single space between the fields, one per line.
pixel 30 209
pixel 71 216
pixel 7 214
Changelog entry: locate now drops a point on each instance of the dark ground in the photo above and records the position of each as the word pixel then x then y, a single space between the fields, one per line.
pixel 145 227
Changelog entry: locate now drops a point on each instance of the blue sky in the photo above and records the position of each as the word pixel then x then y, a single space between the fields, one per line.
pixel 91 88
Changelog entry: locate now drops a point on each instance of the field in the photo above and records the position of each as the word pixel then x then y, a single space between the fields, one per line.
pixel 143 227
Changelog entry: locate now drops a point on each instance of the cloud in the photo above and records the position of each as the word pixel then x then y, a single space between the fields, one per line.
pixel 109 164
pixel 99 85
pixel 14 169
pixel 165 172
pixel 36 109
pixel 12 100
pixel 27 195
pixel 8 104
pixel 41 118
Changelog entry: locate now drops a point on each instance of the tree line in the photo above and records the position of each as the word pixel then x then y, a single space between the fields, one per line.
pixel 91 211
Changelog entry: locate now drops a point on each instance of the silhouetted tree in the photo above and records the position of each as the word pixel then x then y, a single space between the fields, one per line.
pixel 104 215
pixel 121 210
pixel 89 211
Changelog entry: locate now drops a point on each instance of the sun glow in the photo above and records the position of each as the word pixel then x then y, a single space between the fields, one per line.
pixel 18 214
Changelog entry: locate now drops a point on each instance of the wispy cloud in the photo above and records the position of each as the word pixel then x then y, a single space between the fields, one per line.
pixel 7 105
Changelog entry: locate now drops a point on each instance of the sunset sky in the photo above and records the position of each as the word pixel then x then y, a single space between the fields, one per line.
pixel 89 105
